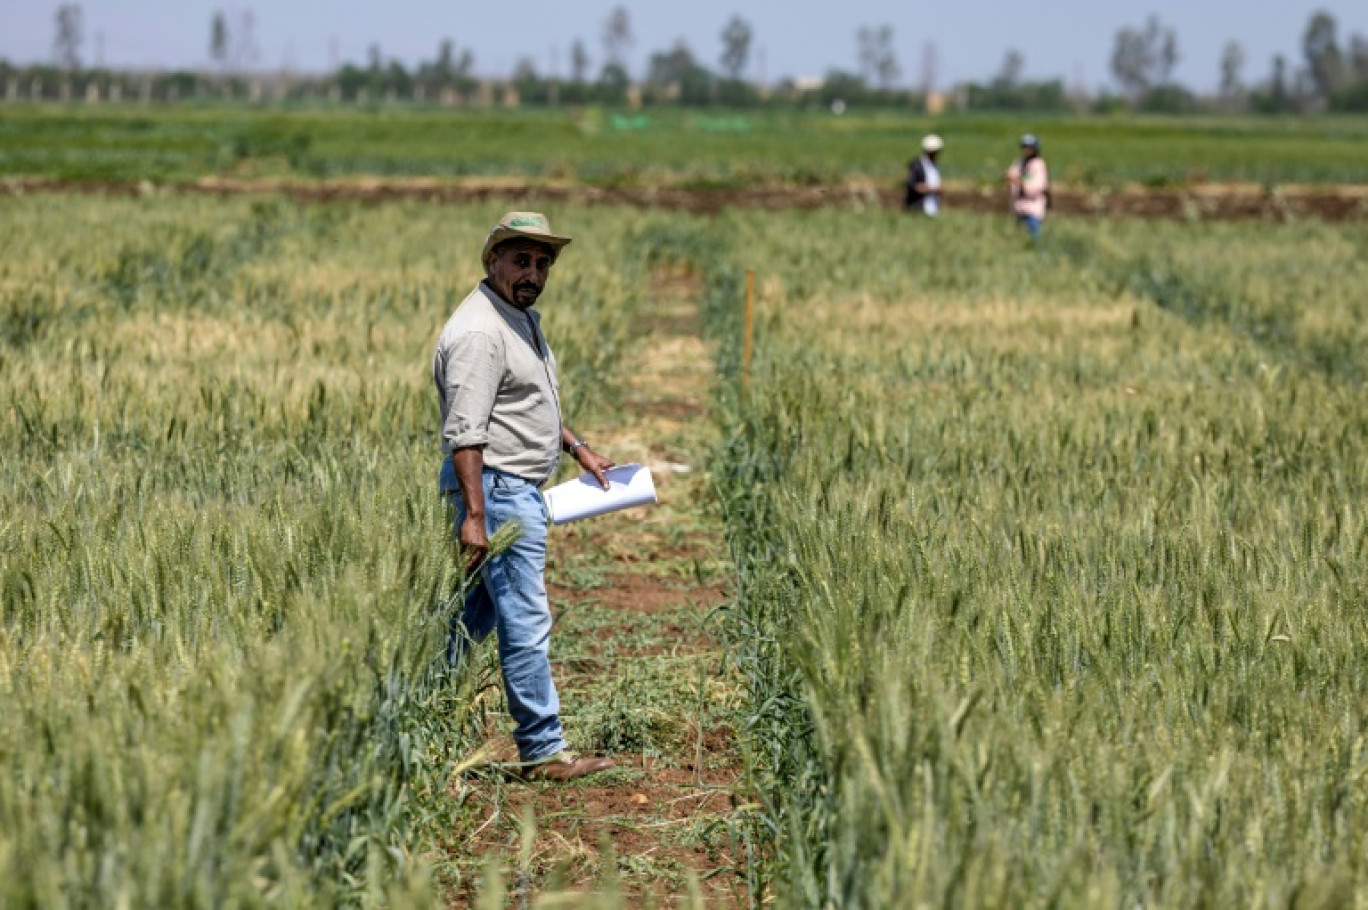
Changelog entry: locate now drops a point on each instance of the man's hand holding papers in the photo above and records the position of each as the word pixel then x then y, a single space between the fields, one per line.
pixel 627 485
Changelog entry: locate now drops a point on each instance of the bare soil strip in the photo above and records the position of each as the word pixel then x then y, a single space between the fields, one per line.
pixel 1204 201
pixel 640 672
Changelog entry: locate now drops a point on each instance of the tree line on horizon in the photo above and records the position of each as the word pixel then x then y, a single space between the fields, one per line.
pixel 1333 75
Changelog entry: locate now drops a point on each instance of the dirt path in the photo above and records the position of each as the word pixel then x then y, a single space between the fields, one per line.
pixel 1200 201
pixel 640 672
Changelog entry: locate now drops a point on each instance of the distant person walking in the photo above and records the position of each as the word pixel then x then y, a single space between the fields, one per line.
pixel 1029 181
pixel 924 179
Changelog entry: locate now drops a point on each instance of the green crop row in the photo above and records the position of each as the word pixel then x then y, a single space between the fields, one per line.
pixel 132 142
pixel 225 575
pixel 1052 562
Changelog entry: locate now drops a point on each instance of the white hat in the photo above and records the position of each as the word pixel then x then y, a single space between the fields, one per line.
pixel 932 143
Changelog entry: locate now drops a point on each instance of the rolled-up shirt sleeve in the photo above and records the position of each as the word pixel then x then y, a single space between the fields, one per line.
pixel 474 367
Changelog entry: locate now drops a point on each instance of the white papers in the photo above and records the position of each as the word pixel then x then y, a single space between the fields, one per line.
pixel 628 485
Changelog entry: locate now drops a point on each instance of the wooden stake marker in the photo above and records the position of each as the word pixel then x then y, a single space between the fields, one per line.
pixel 750 327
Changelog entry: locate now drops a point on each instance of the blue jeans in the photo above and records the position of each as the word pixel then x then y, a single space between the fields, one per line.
pixel 1033 225
pixel 509 598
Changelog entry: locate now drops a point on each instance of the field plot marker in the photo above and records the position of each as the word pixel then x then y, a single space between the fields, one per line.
pixel 750 327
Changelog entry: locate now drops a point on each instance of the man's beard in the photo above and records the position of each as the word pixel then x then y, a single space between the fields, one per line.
pixel 526 292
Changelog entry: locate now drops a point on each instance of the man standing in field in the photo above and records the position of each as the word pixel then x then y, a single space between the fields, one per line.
pixel 924 179
pixel 502 437
pixel 1029 181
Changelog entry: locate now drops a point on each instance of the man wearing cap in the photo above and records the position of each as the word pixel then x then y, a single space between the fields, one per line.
pixel 502 437
pixel 1029 182
pixel 924 180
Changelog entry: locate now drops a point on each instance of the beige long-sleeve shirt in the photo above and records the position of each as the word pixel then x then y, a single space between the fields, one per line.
pixel 496 386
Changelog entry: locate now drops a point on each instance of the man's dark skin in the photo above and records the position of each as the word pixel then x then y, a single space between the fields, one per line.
pixel 517 271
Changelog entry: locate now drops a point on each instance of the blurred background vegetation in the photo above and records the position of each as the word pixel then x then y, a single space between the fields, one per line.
pixel 1332 75
pixel 662 146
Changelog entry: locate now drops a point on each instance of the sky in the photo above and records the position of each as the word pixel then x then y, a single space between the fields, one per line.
pixel 1067 39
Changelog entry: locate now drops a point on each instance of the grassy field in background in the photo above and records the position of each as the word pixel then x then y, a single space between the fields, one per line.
pixel 1053 564
pixel 602 147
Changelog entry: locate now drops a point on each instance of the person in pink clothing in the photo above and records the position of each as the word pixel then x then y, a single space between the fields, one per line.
pixel 1029 181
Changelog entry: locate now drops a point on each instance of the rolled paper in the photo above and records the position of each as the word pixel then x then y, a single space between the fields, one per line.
pixel 628 485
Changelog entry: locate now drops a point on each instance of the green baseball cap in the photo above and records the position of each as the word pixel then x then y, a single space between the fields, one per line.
pixel 531 225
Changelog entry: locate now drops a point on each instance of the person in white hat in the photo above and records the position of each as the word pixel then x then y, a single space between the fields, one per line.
pixel 502 436
pixel 924 179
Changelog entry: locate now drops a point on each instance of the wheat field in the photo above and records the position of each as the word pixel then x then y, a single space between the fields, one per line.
pixel 1053 561
pixel 1050 563
pixel 225 574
